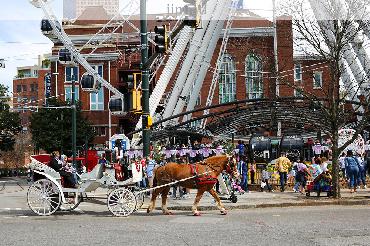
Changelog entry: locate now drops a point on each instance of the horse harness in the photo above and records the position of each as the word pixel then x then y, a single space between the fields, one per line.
pixel 203 179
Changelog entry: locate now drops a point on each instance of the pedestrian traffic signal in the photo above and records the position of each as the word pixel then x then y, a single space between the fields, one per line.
pixel 147 121
pixel 161 39
pixel 192 13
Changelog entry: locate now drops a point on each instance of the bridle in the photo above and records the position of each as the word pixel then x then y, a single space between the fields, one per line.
pixel 230 166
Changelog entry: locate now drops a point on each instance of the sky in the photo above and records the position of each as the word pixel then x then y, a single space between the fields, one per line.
pixel 21 40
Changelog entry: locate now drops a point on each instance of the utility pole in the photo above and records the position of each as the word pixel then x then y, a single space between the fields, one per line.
pixel 276 58
pixel 73 119
pixel 145 77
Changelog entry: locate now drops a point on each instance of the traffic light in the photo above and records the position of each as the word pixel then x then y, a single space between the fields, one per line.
pixel 161 39
pixel 133 97
pixel 193 13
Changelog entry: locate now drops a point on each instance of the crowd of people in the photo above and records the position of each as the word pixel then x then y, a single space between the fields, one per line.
pixel 297 171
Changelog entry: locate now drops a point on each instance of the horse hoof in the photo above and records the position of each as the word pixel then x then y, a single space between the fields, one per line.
pixel 196 214
pixel 223 212
pixel 168 213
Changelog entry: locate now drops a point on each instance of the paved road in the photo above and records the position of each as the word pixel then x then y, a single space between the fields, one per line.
pixel 93 225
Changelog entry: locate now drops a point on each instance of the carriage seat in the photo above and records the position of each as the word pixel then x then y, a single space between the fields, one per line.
pixel 95 174
pixel 42 167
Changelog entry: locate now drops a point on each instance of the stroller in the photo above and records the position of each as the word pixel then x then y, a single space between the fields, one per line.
pixel 232 188
pixel 322 183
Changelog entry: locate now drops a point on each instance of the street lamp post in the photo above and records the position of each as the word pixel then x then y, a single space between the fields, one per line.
pixel 145 77
pixel 73 120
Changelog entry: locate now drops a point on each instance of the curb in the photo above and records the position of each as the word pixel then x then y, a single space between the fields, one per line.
pixel 342 202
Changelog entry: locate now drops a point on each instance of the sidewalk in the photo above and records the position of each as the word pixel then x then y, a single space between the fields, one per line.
pixel 253 199
pixel 275 199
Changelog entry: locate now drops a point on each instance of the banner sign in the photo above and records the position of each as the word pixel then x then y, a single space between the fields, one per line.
pixel 47 80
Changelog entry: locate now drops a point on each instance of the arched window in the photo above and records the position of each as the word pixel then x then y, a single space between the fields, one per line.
pixel 227 80
pixel 253 75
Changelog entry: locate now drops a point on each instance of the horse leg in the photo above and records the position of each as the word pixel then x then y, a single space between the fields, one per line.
pixel 155 193
pixel 218 201
pixel 196 202
pixel 164 201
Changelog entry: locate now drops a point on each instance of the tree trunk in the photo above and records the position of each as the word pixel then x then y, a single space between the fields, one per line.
pixel 335 166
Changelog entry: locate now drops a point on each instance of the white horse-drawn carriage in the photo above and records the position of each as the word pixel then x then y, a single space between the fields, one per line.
pixel 47 195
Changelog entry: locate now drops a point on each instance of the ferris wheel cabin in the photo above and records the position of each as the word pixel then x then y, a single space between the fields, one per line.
pixel 65 57
pixel 47 28
pixel 117 106
pixel 89 83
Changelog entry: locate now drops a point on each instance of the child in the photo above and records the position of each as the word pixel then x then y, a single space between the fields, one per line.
pixel 265 180
pixel 237 187
pixel 67 167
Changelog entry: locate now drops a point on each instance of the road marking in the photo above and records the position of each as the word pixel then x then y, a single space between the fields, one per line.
pixel 79 211
pixel 12 209
pixel 23 216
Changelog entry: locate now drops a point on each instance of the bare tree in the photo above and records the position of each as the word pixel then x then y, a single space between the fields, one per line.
pixel 334 32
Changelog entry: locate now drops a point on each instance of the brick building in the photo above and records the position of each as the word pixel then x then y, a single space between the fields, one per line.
pixel 29 88
pixel 247 69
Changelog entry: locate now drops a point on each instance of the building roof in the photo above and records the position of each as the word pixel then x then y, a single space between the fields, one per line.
pixel 94 13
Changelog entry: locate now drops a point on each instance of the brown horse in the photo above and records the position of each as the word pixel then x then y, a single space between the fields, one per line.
pixel 207 171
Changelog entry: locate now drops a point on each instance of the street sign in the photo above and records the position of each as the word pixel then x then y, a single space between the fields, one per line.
pixel 2 63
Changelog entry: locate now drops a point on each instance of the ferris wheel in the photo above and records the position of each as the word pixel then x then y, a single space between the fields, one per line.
pixel 200 20
pixel 91 81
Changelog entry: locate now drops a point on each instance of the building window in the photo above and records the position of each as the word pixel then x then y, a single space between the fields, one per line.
pixel 34 87
pixel 100 131
pixel 298 72
pixel 97 99
pixel 298 92
pixel 24 88
pixel 227 80
pixel 254 79
pixel 68 93
pixel 19 88
pixel 68 74
pixel 199 101
pixel 317 80
pixel 196 123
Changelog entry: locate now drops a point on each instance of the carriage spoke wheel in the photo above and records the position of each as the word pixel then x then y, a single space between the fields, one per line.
pixel 121 202
pixel 73 200
pixel 43 197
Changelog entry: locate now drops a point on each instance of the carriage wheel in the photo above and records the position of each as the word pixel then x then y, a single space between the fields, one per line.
pixel 121 202
pixel 43 197
pixel 72 201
